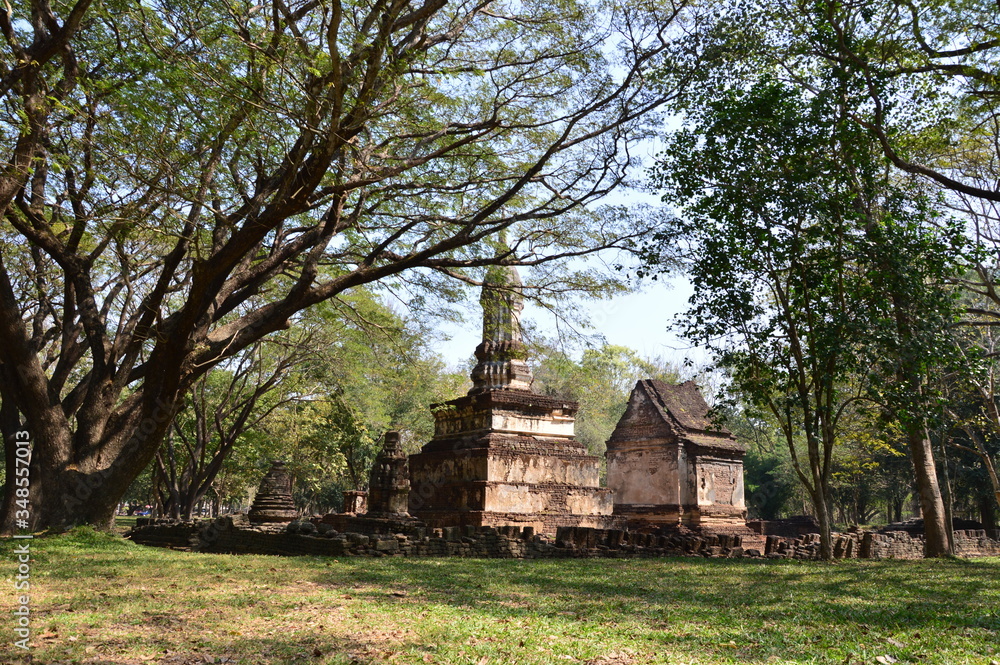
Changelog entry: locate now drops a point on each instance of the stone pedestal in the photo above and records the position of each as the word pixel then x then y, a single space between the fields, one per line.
pixel 503 455
pixel 355 502
pixel 273 502
pixel 507 457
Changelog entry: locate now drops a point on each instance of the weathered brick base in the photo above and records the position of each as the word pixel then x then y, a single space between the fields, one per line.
pixel 869 545
pixel 234 535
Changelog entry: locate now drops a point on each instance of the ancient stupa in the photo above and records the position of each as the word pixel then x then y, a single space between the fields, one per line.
pixel 503 455
pixel 273 502
pixel 389 482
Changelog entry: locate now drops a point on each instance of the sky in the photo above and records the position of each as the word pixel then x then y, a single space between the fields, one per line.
pixel 637 320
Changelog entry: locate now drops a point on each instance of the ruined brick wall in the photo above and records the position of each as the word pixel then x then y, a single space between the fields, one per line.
pixel 869 545
pixel 176 535
pixel 893 545
pixel 975 542
pixel 229 536
pixel 226 535
pixel 790 527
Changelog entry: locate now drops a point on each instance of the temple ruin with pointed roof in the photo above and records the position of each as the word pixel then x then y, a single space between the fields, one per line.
pixel 670 465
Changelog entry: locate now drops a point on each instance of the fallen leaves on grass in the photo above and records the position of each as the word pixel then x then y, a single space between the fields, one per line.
pixel 624 657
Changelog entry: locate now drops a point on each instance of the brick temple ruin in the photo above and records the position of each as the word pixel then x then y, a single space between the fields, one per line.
pixel 389 481
pixel 670 465
pixel 273 502
pixel 504 476
pixel 384 531
pixel 502 454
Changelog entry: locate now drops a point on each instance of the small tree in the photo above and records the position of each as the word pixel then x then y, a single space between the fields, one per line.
pixel 220 408
pixel 810 270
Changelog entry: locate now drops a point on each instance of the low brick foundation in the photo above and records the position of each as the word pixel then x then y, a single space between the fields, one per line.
pixel 869 545
pixel 235 535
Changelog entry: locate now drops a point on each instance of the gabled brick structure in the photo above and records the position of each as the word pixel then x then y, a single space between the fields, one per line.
pixel 503 455
pixel 669 465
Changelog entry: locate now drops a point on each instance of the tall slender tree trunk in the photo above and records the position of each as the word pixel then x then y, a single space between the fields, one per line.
pixel 947 498
pixel 825 525
pixel 928 491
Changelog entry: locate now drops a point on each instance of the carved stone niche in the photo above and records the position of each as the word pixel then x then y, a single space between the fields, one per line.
pixel 389 484
pixel 273 502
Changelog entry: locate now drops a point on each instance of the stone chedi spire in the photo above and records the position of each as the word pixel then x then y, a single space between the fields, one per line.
pixel 389 483
pixel 501 355
pixel 273 502
pixel 503 455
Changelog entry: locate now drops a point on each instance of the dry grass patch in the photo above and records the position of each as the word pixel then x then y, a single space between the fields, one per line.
pixel 99 600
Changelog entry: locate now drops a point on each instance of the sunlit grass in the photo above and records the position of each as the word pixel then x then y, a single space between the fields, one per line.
pixel 99 599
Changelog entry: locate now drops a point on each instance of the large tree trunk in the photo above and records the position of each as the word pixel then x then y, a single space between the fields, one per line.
pixel 10 425
pixel 74 484
pixel 988 515
pixel 928 491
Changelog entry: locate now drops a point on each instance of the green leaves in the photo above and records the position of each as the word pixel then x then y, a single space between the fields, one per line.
pixel 601 381
pixel 819 278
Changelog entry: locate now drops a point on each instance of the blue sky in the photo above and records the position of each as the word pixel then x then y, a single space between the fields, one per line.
pixel 637 320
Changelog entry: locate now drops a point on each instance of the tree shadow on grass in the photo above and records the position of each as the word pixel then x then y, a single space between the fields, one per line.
pixel 883 594
pixel 802 610
pixel 316 650
pixel 724 610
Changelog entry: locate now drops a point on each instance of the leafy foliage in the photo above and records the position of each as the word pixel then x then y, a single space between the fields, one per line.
pixel 601 381
pixel 186 178
pixel 818 281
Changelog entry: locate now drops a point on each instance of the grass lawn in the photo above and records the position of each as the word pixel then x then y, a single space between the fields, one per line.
pixel 124 522
pixel 98 599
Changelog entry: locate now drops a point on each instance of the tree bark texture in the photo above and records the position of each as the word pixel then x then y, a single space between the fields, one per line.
pixel 928 491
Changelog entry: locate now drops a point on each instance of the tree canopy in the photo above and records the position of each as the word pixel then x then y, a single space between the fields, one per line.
pixel 182 179
pixel 821 273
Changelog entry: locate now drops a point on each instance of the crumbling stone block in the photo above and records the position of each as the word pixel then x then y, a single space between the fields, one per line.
pixel 389 482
